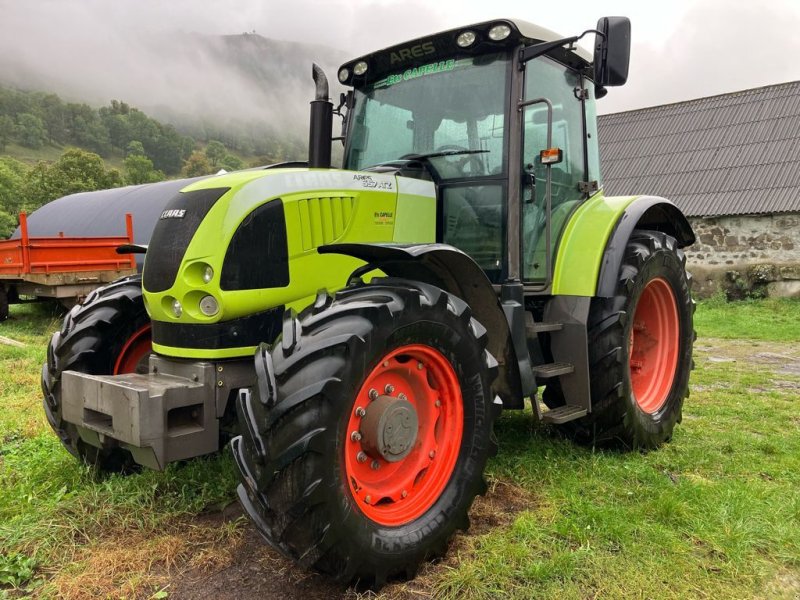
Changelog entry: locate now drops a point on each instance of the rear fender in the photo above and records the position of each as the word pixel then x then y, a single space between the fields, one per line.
pixel 646 212
pixel 455 272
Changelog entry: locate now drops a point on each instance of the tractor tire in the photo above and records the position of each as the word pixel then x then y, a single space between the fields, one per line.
pixel 640 350
pixel 108 334
pixel 366 496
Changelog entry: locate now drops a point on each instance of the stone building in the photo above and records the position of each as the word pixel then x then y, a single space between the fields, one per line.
pixel 732 164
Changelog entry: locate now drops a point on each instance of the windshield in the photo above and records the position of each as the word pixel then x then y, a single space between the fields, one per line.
pixel 450 112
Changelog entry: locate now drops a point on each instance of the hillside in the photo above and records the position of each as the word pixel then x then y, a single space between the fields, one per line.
pixel 244 90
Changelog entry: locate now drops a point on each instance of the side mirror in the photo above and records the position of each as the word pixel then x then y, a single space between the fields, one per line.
pixel 612 51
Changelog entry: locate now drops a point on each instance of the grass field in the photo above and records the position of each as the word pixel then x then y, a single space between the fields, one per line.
pixel 714 514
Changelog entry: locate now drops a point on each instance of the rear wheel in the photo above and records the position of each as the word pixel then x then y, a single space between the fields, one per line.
pixel 364 444
pixel 640 349
pixel 109 334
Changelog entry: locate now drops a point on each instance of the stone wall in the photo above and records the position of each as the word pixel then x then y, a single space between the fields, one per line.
pixel 746 255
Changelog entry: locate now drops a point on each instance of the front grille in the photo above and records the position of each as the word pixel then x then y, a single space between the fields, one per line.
pixel 172 235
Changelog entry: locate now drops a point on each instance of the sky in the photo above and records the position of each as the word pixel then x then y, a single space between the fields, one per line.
pixel 680 50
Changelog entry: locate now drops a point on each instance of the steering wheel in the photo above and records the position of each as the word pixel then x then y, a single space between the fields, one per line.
pixel 472 159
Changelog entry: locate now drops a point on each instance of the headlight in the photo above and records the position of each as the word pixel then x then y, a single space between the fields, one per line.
pixel 343 75
pixel 360 68
pixel 499 32
pixel 466 39
pixel 177 309
pixel 209 306
pixel 208 274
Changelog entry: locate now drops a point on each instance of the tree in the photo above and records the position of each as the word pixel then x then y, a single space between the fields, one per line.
pixel 215 152
pixel 135 148
pixel 30 131
pixel 76 171
pixel 6 131
pixel 12 179
pixel 8 223
pixel 197 164
pixel 139 169
pixel 56 118
pixel 232 163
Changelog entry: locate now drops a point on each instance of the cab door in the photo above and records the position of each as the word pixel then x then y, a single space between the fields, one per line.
pixel 555 98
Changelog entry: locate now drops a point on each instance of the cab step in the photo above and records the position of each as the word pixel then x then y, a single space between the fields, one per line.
pixel 550 370
pixel 563 414
pixel 542 327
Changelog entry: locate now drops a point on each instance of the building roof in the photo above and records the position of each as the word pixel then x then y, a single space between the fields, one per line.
pixel 733 154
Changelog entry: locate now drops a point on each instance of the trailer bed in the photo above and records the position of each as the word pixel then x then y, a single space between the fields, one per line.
pixel 66 268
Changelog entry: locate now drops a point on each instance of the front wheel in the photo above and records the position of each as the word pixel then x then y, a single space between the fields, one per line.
pixel 364 444
pixel 109 334
pixel 640 349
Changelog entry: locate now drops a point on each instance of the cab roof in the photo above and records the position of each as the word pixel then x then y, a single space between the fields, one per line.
pixel 441 45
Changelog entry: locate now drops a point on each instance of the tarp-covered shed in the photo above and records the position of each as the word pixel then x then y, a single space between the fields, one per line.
pixel 102 213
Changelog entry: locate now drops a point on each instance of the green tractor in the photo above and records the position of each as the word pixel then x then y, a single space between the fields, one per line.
pixel 464 259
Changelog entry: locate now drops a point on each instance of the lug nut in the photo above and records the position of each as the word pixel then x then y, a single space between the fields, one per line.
pixel 368 499
pixel 373 394
pixel 361 457
pixel 403 494
pixel 385 364
pixel 432 453
pixel 389 388
pixel 356 436
pixel 438 403
pixel 419 366
pixel 402 396
pixel 375 465
pixel 360 412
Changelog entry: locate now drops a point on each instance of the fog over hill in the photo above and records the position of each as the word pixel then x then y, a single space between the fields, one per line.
pixel 188 79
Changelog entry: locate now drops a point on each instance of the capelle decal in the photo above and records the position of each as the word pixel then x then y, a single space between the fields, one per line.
pixel 422 71
pixel 384 217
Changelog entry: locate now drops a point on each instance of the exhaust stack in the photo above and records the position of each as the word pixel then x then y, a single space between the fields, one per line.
pixel 320 136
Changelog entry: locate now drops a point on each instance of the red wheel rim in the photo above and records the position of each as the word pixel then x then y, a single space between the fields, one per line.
pixel 653 348
pixel 134 352
pixel 394 493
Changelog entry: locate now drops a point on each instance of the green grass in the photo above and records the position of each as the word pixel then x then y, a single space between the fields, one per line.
pixel 776 319
pixel 713 514
pixel 50 505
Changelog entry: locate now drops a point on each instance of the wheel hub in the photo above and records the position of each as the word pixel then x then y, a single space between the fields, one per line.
pixel 389 428
pixel 404 434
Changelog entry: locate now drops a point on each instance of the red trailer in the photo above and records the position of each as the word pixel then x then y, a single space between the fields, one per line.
pixel 64 268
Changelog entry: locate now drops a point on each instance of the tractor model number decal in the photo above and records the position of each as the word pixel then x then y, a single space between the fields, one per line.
pixel 417 51
pixel 409 74
pixel 384 217
pixel 173 214
pixel 368 182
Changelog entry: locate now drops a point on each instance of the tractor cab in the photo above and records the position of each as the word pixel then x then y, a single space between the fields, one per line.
pixel 501 116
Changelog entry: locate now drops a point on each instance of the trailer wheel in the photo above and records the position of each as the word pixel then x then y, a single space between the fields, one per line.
pixel 640 349
pixel 108 334
pixel 3 304
pixel 364 443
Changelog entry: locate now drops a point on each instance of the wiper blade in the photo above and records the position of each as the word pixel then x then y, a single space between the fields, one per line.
pixel 440 153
